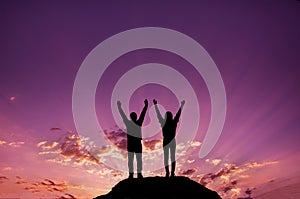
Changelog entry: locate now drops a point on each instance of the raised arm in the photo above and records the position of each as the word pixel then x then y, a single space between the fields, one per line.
pixel 125 119
pixel 159 116
pixel 143 113
pixel 176 118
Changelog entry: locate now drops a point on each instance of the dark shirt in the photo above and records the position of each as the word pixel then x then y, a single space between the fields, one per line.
pixel 134 129
pixel 168 125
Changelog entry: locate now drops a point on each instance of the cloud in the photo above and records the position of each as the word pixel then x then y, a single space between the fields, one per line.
pixel 152 144
pixel 47 182
pixel 7 169
pixel 190 161
pixel 11 144
pixel 55 129
pixel 229 179
pixel 16 144
pixel 2 142
pixel 258 165
pixel 70 148
pixel 2 178
pixel 188 171
pixel 234 182
pixel 46 185
pixel 66 196
pixel 32 189
pixel 51 145
pixel 41 143
pixel 20 181
pixel 118 137
pixel 214 161
pixel 236 191
pixel 195 144
pixel 223 172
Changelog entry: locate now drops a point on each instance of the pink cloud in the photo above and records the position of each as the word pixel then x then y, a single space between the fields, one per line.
pixel 66 196
pixel 69 147
pixel 188 171
pixel 151 144
pixel 12 144
pixel 3 178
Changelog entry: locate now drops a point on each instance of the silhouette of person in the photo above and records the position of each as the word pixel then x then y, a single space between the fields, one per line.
pixel 169 126
pixel 134 137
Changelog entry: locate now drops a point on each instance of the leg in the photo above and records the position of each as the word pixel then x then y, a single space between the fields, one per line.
pixel 173 160
pixel 166 160
pixel 139 161
pixel 130 163
pixel 139 164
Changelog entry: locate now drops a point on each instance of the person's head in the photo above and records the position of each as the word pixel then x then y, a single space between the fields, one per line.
pixel 133 116
pixel 168 116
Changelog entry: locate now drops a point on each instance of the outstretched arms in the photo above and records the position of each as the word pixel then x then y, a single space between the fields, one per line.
pixel 143 113
pixel 159 116
pixel 122 112
pixel 179 111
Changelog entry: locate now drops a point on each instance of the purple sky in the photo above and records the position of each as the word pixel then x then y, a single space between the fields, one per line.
pixel 255 45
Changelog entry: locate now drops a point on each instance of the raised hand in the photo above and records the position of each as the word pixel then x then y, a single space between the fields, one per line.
pixel 182 102
pixel 119 103
pixel 154 101
pixel 146 102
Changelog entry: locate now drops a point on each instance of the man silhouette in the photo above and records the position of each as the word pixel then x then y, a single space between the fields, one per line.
pixel 169 126
pixel 134 137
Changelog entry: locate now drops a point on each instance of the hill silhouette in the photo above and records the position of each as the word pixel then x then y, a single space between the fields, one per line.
pixel 159 187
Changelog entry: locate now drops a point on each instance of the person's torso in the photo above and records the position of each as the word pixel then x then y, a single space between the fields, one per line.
pixel 169 130
pixel 134 131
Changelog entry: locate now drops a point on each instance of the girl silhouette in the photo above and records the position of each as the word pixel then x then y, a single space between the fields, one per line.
pixel 169 125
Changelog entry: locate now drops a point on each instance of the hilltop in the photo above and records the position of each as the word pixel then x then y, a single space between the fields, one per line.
pixel 159 187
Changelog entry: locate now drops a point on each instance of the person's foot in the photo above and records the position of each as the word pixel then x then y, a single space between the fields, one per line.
pixel 140 175
pixel 130 176
pixel 167 174
pixel 172 174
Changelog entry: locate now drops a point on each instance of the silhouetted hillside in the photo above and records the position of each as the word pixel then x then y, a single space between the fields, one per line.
pixel 159 187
